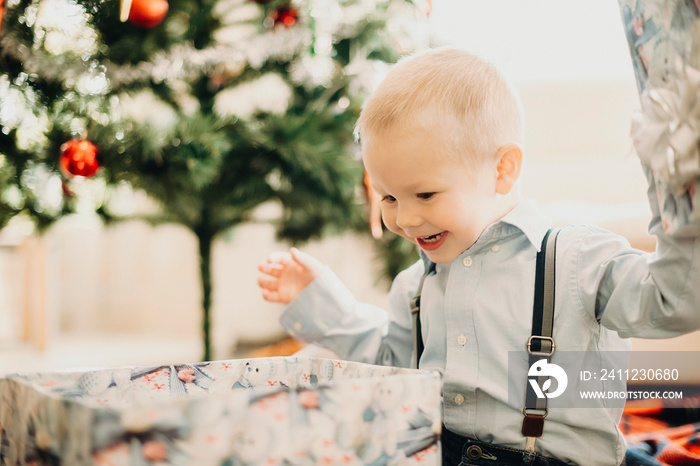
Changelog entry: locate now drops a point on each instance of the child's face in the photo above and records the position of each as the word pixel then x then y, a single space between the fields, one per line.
pixel 430 197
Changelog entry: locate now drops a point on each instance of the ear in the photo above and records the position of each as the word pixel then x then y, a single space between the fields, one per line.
pixel 509 158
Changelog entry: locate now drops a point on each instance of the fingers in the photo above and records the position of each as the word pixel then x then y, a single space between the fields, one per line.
pixel 271 296
pixel 275 263
pixel 303 259
pixel 271 285
pixel 274 270
pixel 286 274
pixel 279 257
pixel 270 290
pixel 273 267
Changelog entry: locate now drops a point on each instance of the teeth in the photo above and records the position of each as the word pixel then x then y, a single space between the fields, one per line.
pixel 432 238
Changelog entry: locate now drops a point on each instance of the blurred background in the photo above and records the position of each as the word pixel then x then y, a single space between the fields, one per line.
pixel 109 271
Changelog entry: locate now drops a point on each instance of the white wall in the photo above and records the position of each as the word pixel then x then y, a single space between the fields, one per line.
pixel 132 278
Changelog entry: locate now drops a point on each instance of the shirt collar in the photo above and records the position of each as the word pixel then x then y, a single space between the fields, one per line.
pixel 428 265
pixel 526 217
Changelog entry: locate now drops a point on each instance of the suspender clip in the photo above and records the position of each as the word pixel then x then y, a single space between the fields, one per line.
pixel 542 346
pixel 415 304
pixel 533 423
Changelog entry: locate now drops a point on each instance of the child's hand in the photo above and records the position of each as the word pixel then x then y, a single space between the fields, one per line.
pixel 292 272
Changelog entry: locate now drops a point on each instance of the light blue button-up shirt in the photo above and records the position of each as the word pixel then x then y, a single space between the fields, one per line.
pixel 477 308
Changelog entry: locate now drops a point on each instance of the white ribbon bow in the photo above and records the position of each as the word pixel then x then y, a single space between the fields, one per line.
pixel 666 132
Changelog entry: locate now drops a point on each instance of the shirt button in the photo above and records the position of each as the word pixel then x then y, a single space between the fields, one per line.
pixel 298 326
pixel 462 340
pixel 467 262
pixel 458 399
pixel 495 248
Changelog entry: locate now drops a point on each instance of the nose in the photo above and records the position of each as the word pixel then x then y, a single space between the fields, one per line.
pixel 407 217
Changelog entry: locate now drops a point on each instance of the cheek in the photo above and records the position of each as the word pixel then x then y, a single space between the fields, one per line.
pixel 389 219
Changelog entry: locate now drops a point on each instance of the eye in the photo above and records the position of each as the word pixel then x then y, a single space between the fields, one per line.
pixel 388 199
pixel 425 196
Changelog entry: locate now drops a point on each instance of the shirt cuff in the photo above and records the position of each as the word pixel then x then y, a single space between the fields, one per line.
pixel 318 308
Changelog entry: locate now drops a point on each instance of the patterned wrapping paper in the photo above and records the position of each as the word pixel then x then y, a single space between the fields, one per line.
pixel 664 43
pixel 267 411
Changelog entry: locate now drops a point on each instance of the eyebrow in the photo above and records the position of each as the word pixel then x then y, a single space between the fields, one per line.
pixel 416 186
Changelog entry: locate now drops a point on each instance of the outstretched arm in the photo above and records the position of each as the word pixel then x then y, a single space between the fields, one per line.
pixel 642 295
pixel 322 310
pixel 327 313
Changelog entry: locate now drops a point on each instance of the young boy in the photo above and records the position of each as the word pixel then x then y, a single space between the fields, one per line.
pixel 441 140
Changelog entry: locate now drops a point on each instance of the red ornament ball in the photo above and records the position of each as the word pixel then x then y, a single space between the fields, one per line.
pixel 79 158
pixel 148 13
pixel 285 15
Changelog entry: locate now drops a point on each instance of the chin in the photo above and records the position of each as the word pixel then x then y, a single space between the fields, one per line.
pixel 440 258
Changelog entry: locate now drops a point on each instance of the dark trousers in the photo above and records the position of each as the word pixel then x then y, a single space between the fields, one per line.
pixel 459 451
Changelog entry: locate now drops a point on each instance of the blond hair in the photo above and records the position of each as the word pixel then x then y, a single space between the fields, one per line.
pixel 478 108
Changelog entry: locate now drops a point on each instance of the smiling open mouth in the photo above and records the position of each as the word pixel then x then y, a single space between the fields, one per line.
pixel 432 238
pixel 432 242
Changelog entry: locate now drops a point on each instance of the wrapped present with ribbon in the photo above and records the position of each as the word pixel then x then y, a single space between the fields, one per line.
pixel 261 411
pixel 664 42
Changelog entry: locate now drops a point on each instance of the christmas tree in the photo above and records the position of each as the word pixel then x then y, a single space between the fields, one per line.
pixel 212 108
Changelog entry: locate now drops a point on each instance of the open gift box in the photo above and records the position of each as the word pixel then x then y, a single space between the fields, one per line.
pixel 270 411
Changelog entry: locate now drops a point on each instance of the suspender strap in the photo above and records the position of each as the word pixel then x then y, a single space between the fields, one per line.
pixel 540 345
pixel 415 312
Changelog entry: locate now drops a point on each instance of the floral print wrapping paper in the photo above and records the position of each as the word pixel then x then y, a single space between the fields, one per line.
pixel 267 411
pixel 664 43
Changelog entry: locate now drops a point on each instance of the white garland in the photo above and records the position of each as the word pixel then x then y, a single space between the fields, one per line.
pixel 181 61
pixel 239 45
